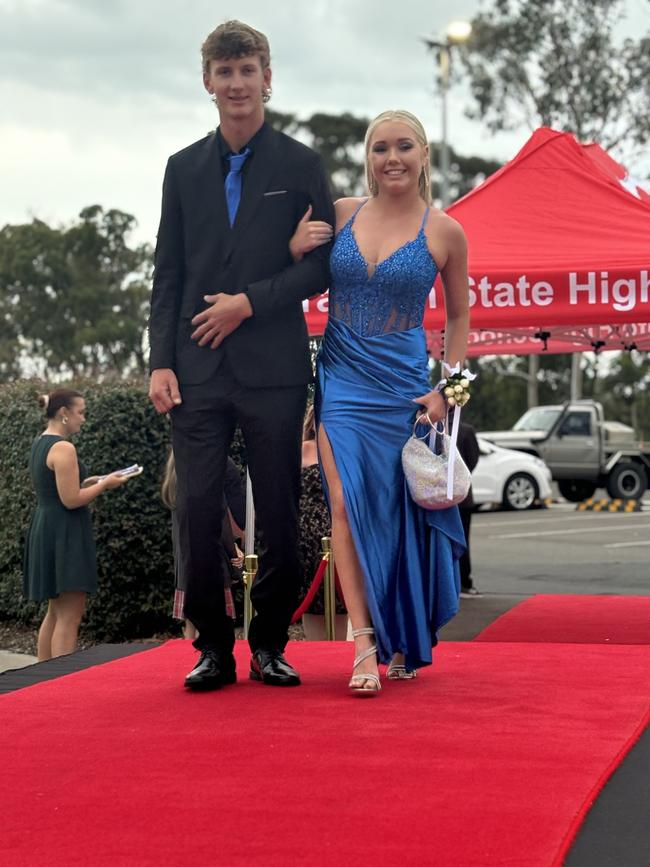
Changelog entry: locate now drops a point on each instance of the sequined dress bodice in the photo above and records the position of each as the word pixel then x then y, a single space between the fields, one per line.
pixel 393 298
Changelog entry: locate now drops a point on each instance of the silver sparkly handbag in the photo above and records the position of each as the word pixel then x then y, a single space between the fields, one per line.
pixel 427 471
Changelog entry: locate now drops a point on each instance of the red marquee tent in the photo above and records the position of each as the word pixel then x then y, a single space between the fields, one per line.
pixel 559 246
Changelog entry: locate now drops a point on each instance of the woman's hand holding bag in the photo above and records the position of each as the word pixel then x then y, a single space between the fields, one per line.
pixel 427 471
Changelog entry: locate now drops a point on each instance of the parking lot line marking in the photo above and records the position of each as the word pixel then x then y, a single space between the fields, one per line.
pixel 599 529
pixel 547 519
pixel 627 544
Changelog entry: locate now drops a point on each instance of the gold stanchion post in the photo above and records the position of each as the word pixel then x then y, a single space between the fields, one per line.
pixel 250 571
pixel 329 588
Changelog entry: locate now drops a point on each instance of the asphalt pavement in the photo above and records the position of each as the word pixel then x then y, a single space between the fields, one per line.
pixel 561 550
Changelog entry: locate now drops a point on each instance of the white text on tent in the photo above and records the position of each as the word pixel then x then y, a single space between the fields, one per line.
pixel 623 293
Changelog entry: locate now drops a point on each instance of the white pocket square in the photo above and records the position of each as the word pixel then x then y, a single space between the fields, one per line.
pixel 275 193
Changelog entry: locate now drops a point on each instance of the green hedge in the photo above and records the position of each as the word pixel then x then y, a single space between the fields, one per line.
pixel 131 524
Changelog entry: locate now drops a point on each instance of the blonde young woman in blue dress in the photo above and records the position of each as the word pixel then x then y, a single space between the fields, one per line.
pixel 398 564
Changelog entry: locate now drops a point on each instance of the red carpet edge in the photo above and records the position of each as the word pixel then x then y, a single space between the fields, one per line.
pixel 599 785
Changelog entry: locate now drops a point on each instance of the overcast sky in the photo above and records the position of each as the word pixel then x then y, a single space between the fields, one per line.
pixel 95 94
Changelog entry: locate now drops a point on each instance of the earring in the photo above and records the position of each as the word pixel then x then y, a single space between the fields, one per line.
pixel 266 93
pixel 65 419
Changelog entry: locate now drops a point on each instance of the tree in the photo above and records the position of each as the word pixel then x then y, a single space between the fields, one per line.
pixel 465 172
pixel 501 396
pixel 282 121
pixel 624 391
pixel 73 301
pixel 557 63
pixel 339 140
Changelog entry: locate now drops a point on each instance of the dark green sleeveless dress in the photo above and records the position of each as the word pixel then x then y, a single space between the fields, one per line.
pixel 60 551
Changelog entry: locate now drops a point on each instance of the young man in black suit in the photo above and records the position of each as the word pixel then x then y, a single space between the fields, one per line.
pixel 229 345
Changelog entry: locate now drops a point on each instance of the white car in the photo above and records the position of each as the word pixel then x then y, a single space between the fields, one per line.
pixel 514 479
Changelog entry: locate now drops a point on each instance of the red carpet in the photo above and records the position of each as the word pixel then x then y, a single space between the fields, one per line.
pixel 489 758
pixel 574 620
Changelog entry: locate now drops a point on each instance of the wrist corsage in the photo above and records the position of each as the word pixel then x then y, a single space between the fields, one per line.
pixel 455 388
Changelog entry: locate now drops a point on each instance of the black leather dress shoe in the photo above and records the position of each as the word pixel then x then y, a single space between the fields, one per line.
pixel 212 671
pixel 270 666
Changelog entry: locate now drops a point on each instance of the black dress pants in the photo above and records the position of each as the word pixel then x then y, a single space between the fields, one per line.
pixel 202 431
pixel 465 562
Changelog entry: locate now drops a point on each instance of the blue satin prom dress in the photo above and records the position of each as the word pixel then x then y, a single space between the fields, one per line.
pixel 372 363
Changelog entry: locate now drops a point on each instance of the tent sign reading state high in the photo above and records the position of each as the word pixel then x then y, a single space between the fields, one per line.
pixel 609 297
pixel 605 293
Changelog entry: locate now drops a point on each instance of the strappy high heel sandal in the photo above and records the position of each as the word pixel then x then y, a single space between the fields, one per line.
pixel 398 671
pixel 356 685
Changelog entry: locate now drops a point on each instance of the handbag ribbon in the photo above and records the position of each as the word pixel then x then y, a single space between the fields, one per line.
pixel 451 371
pixel 453 439
pixel 452 452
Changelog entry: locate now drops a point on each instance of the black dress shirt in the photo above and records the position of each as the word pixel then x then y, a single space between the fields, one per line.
pixel 225 151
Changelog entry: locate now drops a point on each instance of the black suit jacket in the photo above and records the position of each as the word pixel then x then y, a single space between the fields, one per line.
pixel 197 254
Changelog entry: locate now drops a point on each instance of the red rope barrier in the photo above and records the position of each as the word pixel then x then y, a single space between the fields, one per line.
pixel 313 590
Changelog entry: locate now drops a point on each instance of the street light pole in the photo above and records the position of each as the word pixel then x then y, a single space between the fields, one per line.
pixel 457 31
pixel 444 62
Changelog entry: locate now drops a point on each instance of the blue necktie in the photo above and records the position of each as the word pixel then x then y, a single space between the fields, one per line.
pixel 233 182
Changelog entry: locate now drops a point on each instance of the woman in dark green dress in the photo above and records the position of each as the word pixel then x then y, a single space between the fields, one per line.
pixel 60 559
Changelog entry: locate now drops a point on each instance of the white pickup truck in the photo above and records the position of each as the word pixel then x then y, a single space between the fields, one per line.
pixel 582 450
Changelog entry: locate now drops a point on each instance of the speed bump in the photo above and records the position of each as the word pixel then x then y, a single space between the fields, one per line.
pixel 605 505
